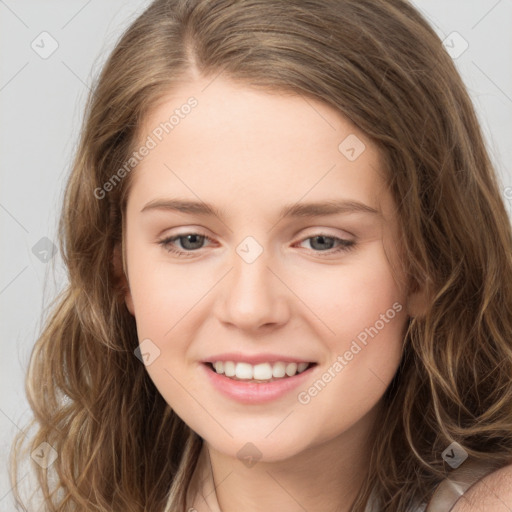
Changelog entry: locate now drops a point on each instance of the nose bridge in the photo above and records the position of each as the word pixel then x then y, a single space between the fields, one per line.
pixel 253 295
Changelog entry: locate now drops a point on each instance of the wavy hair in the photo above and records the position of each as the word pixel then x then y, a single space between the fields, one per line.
pixel 379 64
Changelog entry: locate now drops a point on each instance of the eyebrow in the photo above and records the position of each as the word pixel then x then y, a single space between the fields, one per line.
pixel 317 209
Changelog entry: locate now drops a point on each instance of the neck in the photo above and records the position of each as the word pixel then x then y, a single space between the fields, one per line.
pixel 326 476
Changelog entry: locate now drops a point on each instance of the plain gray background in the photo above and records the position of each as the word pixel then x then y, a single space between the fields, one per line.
pixel 41 103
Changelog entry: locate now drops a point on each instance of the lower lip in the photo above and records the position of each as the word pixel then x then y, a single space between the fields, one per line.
pixel 253 392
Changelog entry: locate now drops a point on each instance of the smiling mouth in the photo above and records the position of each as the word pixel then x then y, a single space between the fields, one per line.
pixel 259 373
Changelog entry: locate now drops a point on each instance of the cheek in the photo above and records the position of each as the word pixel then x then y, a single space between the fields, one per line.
pixel 166 298
pixel 349 298
pixel 162 294
pixel 363 313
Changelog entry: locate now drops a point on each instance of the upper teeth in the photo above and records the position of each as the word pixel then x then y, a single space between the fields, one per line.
pixel 262 371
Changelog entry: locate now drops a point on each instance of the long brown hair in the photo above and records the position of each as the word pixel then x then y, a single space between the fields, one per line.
pixel 377 62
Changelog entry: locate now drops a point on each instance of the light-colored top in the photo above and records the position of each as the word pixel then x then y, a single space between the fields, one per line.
pixel 450 490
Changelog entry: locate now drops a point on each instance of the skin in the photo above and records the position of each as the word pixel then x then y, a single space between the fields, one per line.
pixel 249 153
pixel 490 494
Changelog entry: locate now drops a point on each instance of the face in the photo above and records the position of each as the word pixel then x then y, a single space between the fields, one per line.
pixel 259 230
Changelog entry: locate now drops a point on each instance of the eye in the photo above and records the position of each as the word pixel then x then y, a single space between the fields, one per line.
pixel 190 242
pixel 325 243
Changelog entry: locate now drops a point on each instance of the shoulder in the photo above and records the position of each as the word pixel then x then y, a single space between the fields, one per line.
pixel 492 493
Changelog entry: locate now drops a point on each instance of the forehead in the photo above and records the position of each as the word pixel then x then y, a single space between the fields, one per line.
pixel 231 141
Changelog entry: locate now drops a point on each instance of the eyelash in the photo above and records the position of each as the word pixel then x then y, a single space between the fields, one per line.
pixel 344 245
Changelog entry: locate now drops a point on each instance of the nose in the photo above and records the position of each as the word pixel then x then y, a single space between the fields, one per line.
pixel 253 297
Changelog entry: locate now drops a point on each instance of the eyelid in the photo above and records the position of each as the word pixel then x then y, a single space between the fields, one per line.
pixel 325 231
pixel 175 236
pixel 314 232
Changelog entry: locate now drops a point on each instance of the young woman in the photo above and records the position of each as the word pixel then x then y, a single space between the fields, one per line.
pixel 290 274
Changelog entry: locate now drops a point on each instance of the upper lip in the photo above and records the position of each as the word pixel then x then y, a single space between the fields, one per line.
pixel 253 359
